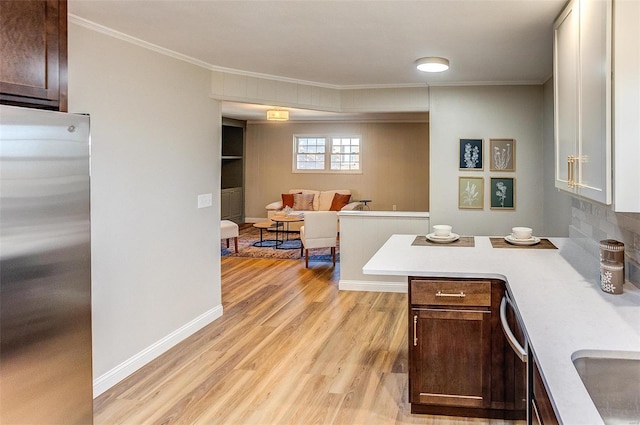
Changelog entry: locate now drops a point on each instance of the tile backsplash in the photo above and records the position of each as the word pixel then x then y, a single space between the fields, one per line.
pixel 592 222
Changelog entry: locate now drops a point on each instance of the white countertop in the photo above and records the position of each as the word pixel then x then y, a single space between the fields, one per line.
pixel 557 295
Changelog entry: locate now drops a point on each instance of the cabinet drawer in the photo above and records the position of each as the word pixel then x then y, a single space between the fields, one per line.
pixel 443 292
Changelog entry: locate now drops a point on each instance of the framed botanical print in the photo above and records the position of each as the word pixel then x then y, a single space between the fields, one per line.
pixel 471 193
pixel 503 193
pixel 502 155
pixel 470 155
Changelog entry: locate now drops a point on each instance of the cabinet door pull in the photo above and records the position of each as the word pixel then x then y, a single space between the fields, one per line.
pixel 415 331
pixel 535 417
pixel 571 173
pixel 444 294
pixel 571 170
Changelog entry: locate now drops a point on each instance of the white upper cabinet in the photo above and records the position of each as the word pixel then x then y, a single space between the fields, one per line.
pixel 565 64
pixel 626 105
pixel 582 99
pixel 597 101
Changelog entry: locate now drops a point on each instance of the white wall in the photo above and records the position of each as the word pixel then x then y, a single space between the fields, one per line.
pixel 483 113
pixel 362 233
pixel 155 137
pixel 243 88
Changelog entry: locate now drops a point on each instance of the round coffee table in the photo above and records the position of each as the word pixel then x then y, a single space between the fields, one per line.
pixel 268 225
pixel 284 221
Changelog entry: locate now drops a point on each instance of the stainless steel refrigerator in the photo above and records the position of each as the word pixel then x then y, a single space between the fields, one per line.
pixel 45 268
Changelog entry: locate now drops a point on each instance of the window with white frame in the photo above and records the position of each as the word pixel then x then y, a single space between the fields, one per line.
pixel 327 154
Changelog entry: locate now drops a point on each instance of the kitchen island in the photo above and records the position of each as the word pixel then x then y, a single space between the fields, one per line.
pixel 556 294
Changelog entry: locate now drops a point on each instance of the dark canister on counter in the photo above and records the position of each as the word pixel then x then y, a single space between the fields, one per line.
pixel 612 250
pixel 611 276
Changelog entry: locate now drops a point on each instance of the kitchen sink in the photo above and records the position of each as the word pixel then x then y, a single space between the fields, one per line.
pixel 612 379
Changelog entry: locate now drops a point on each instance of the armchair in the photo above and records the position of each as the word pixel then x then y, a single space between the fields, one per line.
pixel 319 231
pixel 229 230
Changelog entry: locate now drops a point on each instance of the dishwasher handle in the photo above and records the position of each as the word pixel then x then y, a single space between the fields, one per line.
pixel 511 339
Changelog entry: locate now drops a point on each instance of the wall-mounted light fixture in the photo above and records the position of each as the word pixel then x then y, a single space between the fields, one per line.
pixel 432 64
pixel 277 115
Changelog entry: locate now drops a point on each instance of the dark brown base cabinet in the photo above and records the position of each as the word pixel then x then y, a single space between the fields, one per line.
pixel 459 361
pixel 33 48
pixel 542 412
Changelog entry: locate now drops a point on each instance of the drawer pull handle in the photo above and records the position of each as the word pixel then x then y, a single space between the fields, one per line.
pixel 415 331
pixel 444 294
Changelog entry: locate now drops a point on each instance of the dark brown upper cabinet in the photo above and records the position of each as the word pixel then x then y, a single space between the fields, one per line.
pixel 33 48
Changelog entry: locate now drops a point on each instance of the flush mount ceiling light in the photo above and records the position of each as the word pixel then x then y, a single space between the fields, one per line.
pixel 277 115
pixel 432 64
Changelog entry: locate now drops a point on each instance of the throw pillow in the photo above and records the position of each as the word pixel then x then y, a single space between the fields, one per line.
pixel 339 201
pixel 303 201
pixel 287 200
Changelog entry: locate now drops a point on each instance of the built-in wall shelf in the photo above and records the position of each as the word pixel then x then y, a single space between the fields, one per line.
pixel 232 170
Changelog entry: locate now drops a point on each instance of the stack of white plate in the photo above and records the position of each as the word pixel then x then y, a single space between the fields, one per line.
pixel 528 241
pixel 451 237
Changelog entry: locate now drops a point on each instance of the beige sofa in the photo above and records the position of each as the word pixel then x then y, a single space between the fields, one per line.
pixel 322 200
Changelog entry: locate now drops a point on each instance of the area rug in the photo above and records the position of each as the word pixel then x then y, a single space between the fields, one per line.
pixel 248 235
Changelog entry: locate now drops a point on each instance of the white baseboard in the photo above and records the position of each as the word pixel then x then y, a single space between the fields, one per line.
pixel 371 286
pixel 104 382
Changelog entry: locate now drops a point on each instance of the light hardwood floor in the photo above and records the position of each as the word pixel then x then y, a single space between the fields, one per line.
pixel 289 349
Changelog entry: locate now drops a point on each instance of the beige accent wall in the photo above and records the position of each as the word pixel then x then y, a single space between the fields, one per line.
pixel 395 164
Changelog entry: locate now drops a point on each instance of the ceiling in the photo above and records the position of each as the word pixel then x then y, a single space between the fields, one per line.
pixel 344 44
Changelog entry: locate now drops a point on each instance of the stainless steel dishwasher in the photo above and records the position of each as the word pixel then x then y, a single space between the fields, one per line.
pixel 520 347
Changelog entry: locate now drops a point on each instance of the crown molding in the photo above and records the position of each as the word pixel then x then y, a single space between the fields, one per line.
pixel 133 40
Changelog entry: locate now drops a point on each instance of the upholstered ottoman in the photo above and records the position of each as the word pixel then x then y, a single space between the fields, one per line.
pixel 228 230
